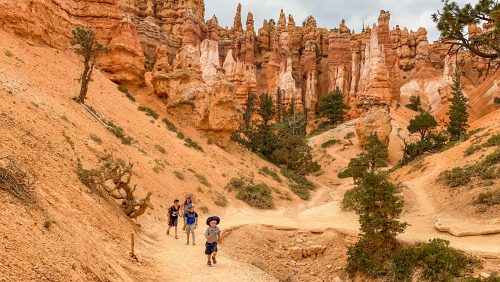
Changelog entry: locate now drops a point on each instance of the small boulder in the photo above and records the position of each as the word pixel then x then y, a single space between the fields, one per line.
pixel 296 253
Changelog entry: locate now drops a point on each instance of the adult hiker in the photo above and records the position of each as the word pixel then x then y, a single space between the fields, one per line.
pixel 173 217
pixel 212 235
pixel 188 201
pixel 191 222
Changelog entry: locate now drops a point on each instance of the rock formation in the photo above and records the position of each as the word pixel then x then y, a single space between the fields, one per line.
pixel 51 22
pixel 378 67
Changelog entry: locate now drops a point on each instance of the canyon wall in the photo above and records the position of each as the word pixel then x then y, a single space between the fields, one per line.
pixel 376 68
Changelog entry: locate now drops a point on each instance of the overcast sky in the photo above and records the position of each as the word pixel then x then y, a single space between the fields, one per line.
pixel 328 13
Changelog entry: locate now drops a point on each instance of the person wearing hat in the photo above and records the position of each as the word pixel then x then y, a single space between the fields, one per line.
pixel 173 217
pixel 188 201
pixel 191 222
pixel 212 235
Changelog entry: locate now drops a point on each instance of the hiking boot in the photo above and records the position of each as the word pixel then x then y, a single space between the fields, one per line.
pixel 168 232
pixel 214 260
pixel 209 263
pixel 187 243
pixel 176 237
pixel 194 243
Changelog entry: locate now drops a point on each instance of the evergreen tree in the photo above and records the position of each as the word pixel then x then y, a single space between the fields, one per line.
pixel 422 124
pixel 378 206
pixel 279 105
pixel 333 107
pixel 415 103
pixel 458 113
pixel 87 46
pixel 249 109
pixel 266 109
pixel 453 23
pixel 376 152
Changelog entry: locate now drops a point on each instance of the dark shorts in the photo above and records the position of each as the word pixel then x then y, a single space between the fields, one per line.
pixel 210 248
pixel 173 221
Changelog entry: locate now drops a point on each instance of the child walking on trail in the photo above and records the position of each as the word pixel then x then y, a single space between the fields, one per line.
pixel 188 201
pixel 173 217
pixel 191 222
pixel 212 235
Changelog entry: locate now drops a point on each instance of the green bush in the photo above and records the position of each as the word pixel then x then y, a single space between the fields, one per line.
pixel 179 175
pixel 350 135
pixel 348 202
pixel 8 53
pixel 119 133
pixel 324 127
pixel 202 179
pixel 303 191
pixel 96 138
pixel 493 141
pixel 346 173
pixel 169 125
pixel 160 149
pixel 181 135
pixel 456 177
pixel 297 178
pixel 125 91
pixel 488 199
pixel 258 196
pixel 192 144
pixel 436 261
pixel 150 112
pixel 272 173
pixel 329 143
pixel 472 149
pixel 493 278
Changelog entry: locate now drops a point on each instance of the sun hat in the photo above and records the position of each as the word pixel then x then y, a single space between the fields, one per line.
pixel 213 218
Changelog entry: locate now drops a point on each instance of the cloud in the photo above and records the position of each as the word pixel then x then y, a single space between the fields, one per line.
pixel 405 13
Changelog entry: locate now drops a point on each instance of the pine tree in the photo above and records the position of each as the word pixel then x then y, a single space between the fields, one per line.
pixel 415 103
pixel 86 45
pixel 458 113
pixel 266 108
pixel 279 105
pixel 378 205
pixel 333 107
pixel 422 124
pixel 376 152
pixel 453 22
pixel 249 109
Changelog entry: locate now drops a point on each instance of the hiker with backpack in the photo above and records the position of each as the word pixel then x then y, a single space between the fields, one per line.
pixel 212 235
pixel 173 217
pixel 188 201
pixel 191 222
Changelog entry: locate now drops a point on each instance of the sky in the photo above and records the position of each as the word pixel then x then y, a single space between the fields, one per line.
pixel 328 13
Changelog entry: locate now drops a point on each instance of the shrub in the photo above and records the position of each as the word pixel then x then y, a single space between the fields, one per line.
pixel 415 103
pixel 436 260
pixel 181 135
pixel 169 125
pixel 150 112
pixel 160 149
pixel 471 150
pixel 324 127
pixel 220 200
pixel 48 223
pixel 301 190
pixel 350 135
pixel 202 179
pixel 272 173
pixel 346 173
pixel 179 175
pixel 456 177
pixel 493 141
pixel 257 196
pixel 8 54
pixel 15 180
pixel 119 133
pixel 329 143
pixel 348 202
pixel 297 178
pixel 488 199
pixel 192 144
pixel 125 91
pixel 96 138
pixel 204 210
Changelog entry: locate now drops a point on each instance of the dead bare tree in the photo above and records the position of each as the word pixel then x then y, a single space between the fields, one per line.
pixel 114 177
pixel 15 180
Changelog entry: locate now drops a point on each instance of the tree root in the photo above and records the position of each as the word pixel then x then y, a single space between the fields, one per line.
pixel 464 233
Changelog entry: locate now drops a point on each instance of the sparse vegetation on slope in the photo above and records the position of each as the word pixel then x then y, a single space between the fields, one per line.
pixel 150 112
pixel 255 195
pixel 113 177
